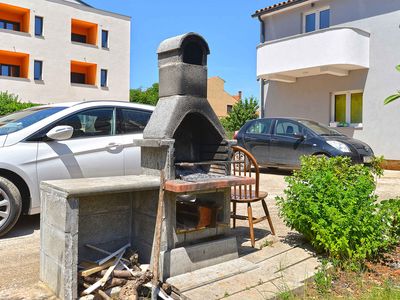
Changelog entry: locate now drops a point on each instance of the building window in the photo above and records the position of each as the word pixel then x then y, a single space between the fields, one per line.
pixel 324 18
pixel 10 70
pixel 38 26
pixel 78 78
pixel 229 108
pixel 317 19
pixel 38 70
pixel 78 38
pixel 347 108
pixel 356 108
pixel 104 38
pixel 103 79
pixel 10 25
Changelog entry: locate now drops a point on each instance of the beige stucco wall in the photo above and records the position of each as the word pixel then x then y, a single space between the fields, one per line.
pixel 56 51
pixel 310 97
pixel 218 97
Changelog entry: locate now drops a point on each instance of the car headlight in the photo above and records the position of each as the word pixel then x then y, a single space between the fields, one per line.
pixel 339 146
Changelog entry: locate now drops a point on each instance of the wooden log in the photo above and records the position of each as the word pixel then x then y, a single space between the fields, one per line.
pixel 103 295
pixel 124 274
pixel 93 270
pixel 112 281
pixel 129 291
pixel 104 279
pixel 111 269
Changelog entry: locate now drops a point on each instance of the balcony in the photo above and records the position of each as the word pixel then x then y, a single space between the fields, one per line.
pixel 334 51
pixel 83 73
pixel 14 18
pixel 14 64
pixel 84 32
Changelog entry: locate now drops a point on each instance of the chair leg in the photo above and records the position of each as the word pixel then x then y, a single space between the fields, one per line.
pixel 234 214
pixel 250 216
pixel 268 216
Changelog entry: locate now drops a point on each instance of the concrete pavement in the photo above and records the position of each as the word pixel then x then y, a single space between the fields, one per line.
pixel 19 250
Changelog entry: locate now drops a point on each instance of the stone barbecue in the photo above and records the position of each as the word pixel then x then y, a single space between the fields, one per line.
pixel 185 141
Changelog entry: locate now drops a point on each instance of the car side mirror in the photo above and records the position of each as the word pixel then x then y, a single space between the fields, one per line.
pixel 299 136
pixel 60 133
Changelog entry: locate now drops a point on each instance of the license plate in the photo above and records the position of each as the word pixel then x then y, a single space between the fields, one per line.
pixel 367 159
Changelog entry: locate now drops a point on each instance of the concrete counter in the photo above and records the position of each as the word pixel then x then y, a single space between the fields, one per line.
pixel 102 185
pixel 106 212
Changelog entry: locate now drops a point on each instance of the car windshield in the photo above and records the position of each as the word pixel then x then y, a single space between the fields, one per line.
pixel 319 128
pixel 24 118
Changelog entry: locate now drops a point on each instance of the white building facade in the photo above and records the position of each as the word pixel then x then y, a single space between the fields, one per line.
pixel 334 61
pixel 58 50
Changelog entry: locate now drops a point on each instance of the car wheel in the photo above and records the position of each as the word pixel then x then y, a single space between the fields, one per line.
pixel 321 155
pixel 10 205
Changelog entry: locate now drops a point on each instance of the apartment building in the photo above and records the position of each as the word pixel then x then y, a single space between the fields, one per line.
pixel 334 61
pixel 220 100
pixel 59 50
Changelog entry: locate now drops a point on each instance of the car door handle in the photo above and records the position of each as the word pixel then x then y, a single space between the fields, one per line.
pixel 114 146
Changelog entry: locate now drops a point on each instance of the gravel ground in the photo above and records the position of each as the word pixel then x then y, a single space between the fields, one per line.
pixel 19 250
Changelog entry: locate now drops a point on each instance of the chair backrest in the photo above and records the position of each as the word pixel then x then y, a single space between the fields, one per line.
pixel 244 164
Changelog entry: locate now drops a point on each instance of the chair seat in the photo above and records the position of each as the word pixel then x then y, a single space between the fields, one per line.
pixel 248 197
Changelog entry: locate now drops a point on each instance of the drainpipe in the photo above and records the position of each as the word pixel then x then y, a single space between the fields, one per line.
pixel 262 81
pixel 262 92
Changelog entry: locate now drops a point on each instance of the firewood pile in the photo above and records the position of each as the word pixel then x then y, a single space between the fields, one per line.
pixel 117 275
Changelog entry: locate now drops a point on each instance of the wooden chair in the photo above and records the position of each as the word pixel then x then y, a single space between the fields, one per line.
pixel 244 164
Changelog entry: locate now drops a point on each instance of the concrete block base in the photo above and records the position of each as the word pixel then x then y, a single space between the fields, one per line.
pixel 190 258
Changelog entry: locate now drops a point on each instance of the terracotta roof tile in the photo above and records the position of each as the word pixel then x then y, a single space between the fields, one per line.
pixel 277 6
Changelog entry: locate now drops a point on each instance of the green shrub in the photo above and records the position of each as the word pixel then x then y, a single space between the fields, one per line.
pixel 9 103
pixel 390 215
pixel 332 203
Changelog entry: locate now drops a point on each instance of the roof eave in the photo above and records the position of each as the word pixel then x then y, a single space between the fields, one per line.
pixel 278 8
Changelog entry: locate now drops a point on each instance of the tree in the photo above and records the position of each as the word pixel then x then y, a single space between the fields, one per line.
pixel 10 103
pixel 147 96
pixel 395 96
pixel 242 111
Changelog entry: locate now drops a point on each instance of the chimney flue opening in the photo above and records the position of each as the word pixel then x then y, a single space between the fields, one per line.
pixel 193 54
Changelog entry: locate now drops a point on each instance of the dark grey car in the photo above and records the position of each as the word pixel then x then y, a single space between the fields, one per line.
pixel 279 142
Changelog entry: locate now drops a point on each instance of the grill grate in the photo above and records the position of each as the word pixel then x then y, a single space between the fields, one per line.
pixel 197 177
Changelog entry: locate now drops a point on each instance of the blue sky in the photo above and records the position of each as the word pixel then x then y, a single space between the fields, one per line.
pixel 226 25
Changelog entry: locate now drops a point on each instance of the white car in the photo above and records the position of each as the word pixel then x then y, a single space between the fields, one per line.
pixel 61 141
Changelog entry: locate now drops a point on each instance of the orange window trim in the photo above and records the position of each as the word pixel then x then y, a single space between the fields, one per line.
pixel 15 14
pixel 85 28
pixel 89 69
pixel 16 59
